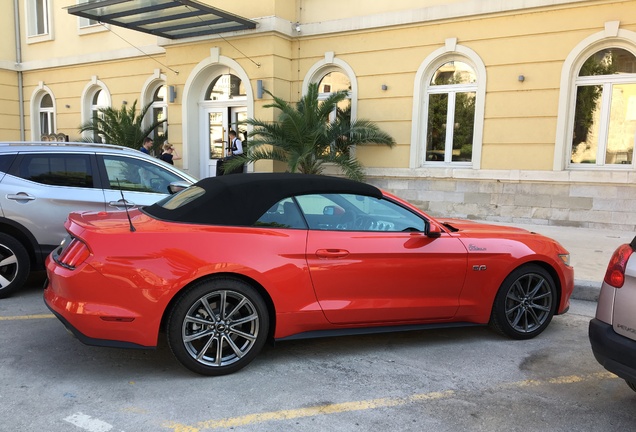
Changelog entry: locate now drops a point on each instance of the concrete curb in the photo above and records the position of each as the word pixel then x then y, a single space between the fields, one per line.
pixel 586 290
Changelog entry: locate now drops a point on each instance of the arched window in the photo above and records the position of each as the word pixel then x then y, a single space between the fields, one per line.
pixel 450 113
pixel 94 97
pixel 332 82
pixel 99 100
pixel 46 115
pixel 604 124
pixel 159 110
pixel 225 87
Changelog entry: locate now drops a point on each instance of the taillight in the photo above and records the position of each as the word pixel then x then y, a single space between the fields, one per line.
pixel 615 275
pixel 74 254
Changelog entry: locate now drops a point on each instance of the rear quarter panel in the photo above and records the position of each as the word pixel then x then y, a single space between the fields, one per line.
pixel 144 270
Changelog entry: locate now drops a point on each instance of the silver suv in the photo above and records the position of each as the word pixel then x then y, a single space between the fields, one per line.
pixel 40 184
pixel 613 331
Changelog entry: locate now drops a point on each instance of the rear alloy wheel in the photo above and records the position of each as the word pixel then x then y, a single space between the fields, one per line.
pixel 631 384
pixel 525 303
pixel 218 327
pixel 14 265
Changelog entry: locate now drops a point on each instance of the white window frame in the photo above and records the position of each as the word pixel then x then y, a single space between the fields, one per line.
pixel 36 101
pixel 607 82
pixel 450 51
pixel 156 80
pixel 88 26
pixel 87 101
pixel 331 63
pixel 611 37
pixel 33 12
pixel 451 90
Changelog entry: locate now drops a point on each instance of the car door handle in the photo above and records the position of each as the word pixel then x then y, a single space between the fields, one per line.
pixel 121 203
pixel 20 197
pixel 332 253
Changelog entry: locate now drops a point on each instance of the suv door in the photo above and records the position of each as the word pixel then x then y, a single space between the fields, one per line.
pixel 139 181
pixel 41 189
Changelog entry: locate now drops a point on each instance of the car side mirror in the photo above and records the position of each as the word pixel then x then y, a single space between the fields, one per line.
pixel 175 187
pixel 433 231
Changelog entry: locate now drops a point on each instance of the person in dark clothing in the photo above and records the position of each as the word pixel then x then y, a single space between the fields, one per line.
pixel 169 154
pixel 146 146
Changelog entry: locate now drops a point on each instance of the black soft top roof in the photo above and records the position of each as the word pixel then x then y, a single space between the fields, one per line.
pixel 240 199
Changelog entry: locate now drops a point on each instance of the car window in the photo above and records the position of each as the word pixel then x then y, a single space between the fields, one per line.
pixel 357 213
pixel 5 161
pixel 186 196
pixel 137 175
pixel 57 170
pixel 283 214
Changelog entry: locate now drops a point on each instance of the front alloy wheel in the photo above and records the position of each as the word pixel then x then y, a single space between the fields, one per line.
pixel 525 303
pixel 218 327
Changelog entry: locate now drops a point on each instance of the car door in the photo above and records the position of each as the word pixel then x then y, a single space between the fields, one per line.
pixel 138 181
pixel 41 189
pixel 371 261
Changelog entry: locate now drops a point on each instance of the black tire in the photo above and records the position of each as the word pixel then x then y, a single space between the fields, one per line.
pixel 15 265
pixel 631 384
pixel 525 303
pixel 218 326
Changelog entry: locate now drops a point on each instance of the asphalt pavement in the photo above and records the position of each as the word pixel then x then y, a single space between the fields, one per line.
pixel 590 251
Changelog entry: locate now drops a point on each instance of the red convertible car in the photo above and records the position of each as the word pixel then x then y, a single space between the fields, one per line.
pixel 233 261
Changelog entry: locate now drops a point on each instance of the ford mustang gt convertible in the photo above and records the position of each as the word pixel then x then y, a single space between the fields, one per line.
pixel 233 261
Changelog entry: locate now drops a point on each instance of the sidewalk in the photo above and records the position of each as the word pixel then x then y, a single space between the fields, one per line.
pixel 590 251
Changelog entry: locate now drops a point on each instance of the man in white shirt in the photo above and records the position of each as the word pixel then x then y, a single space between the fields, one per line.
pixel 236 146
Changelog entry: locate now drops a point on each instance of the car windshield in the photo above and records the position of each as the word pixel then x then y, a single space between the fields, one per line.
pixel 181 198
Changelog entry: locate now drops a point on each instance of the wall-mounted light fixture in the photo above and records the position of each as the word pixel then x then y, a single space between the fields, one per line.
pixel 259 89
pixel 124 102
pixel 67 106
pixel 296 27
pixel 385 87
pixel 521 78
pixel 172 94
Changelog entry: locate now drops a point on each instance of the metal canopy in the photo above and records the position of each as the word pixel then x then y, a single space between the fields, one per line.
pixel 172 19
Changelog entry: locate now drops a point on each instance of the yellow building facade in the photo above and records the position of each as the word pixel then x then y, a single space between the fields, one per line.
pixel 504 111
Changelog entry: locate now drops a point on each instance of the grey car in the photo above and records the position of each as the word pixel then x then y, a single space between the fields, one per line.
pixel 613 331
pixel 40 184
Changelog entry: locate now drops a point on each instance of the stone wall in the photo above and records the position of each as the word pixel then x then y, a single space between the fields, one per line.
pixel 601 206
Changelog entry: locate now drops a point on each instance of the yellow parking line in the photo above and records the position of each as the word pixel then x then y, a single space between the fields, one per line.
pixel 252 419
pixel 26 317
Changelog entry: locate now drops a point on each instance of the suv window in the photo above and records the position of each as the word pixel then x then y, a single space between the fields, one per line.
pixel 57 170
pixel 5 161
pixel 130 174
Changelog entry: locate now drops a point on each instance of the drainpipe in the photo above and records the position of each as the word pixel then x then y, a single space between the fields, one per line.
pixel 18 61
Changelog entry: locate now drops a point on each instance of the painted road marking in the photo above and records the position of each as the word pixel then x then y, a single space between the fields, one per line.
pixel 252 419
pixel 26 317
pixel 88 423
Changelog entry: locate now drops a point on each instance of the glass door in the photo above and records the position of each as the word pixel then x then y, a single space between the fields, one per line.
pixel 215 138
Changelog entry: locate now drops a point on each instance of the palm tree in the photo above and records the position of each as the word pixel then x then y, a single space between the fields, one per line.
pixel 305 138
pixel 122 126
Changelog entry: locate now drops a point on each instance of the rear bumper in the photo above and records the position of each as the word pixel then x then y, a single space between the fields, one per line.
pixel 614 352
pixel 93 341
pixel 87 304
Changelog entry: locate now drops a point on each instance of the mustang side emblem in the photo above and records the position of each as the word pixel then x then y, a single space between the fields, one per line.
pixel 473 248
pixel 479 267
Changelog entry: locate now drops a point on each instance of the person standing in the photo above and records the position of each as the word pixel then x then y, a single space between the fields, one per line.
pixel 169 154
pixel 146 146
pixel 236 146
